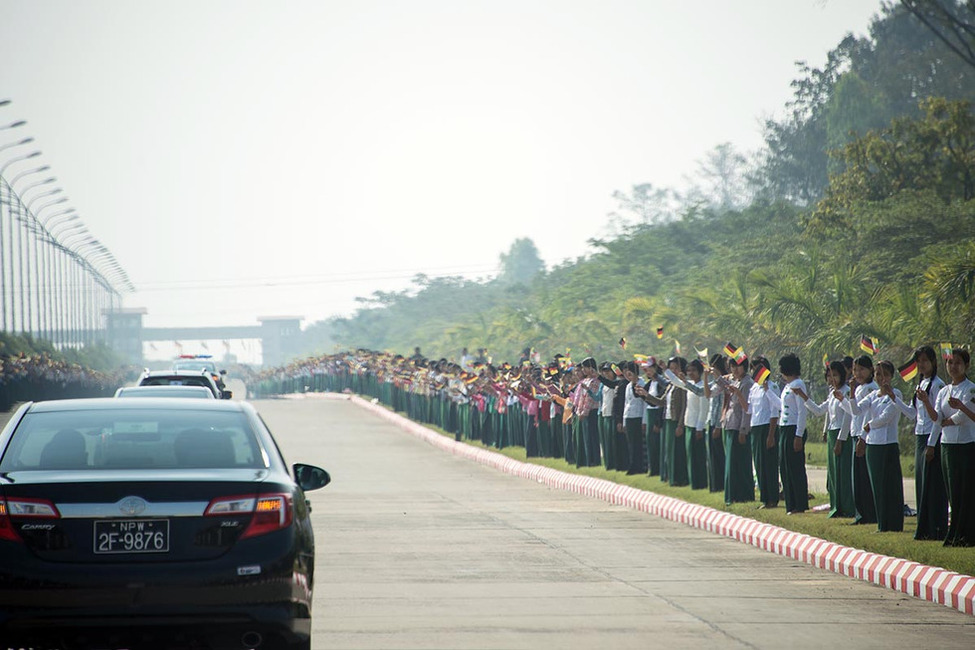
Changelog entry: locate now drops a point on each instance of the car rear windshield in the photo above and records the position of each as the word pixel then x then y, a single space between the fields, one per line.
pixel 196 365
pixel 182 380
pixel 132 439
pixel 197 392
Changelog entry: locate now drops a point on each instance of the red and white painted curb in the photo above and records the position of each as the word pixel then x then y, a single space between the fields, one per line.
pixel 929 583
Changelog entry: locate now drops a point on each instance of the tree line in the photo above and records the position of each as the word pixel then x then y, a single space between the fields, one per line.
pixel 857 218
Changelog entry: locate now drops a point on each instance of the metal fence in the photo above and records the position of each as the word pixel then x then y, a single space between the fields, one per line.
pixel 57 281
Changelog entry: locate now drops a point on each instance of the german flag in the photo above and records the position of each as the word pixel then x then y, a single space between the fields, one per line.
pixel 623 342
pixel 660 332
pixel 908 371
pixel 729 349
pixel 868 344
pixel 761 374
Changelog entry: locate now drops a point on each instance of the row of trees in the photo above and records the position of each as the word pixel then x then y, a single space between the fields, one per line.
pixel 858 218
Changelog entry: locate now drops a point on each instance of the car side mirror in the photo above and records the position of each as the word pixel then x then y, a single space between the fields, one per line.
pixel 310 477
pixel 226 394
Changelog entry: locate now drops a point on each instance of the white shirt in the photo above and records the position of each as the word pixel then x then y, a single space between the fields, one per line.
pixel 836 416
pixel 697 407
pixel 963 428
pixel 923 425
pixel 654 388
pixel 633 405
pixel 696 414
pixel 607 395
pixel 763 403
pixel 853 407
pixel 882 415
pixel 793 411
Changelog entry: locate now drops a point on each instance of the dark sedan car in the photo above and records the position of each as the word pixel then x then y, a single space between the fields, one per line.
pixel 152 523
pixel 184 378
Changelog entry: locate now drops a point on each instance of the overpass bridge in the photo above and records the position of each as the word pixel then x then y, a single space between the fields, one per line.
pixel 279 336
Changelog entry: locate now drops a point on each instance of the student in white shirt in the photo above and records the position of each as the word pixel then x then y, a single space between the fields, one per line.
pixel 862 385
pixel 955 429
pixel 654 415
pixel 882 451
pixel 930 493
pixel 633 408
pixel 792 457
pixel 695 420
pixel 715 387
pixel 839 459
pixel 607 423
pixel 763 408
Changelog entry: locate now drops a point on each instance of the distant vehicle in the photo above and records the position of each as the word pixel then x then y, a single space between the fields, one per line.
pixel 184 378
pixel 152 523
pixel 199 392
pixel 201 362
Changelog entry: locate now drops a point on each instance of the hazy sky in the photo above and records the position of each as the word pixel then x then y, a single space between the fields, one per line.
pixel 244 158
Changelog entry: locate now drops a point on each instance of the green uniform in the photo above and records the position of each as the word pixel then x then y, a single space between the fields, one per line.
pixel 738 484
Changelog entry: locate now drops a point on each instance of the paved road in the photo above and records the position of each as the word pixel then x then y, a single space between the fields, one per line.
pixel 419 549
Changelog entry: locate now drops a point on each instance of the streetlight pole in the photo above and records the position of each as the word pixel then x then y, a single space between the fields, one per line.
pixel 23 239
pixel 55 252
pixel 37 267
pixel 42 258
pixel 10 162
pixel 8 311
pixel 10 145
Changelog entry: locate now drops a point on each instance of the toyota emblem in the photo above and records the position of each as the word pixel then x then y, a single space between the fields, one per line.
pixel 132 506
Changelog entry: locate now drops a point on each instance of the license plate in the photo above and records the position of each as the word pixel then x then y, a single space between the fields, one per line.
pixel 132 536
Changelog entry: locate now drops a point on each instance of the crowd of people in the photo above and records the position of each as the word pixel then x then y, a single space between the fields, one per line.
pixel 40 377
pixel 723 423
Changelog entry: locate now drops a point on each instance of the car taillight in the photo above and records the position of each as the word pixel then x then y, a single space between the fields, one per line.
pixel 270 512
pixel 230 506
pixel 30 508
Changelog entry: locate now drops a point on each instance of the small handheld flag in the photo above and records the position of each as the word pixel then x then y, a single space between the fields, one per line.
pixel 660 332
pixel 908 371
pixel 868 344
pixel 729 350
pixel 623 342
pixel 677 346
pixel 761 374
pixel 616 370
pixel 825 360
pixel 642 358
pixel 740 355
pixel 702 353
pixel 946 351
